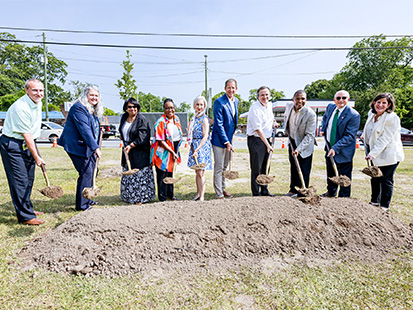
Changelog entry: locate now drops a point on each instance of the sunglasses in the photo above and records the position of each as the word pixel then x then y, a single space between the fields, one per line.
pixel 132 107
pixel 339 98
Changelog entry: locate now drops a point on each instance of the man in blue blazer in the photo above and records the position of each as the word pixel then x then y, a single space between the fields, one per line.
pixel 80 139
pixel 225 112
pixel 339 126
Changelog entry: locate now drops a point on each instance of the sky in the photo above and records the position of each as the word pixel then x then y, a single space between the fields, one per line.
pixel 180 74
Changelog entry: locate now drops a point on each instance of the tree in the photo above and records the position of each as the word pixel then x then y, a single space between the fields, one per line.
pixel 383 67
pixel 126 84
pixel 370 68
pixel 109 112
pixel 19 63
pixel 317 89
pixel 150 103
pixel 274 95
pixel 243 106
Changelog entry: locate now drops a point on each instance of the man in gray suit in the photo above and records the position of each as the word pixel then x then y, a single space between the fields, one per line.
pixel 300 123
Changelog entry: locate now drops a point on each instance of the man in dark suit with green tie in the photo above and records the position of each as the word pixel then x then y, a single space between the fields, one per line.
pixel 339 126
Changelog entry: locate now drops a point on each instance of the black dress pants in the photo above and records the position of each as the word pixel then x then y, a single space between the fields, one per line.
pixel 343 169
pixel 382 188
pixel 258 162
pixel 19 166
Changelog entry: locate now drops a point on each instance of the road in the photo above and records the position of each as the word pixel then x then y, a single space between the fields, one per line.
pixel 240 142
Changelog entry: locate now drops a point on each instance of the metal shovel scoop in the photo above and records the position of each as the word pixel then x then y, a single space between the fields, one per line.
pixel 169 180
pixel 341 180
pixel 229 174
pixel 130 171
pixel 265 179
pixel 50 191
pixel 371 170
pixel 197 166
pixel 90 192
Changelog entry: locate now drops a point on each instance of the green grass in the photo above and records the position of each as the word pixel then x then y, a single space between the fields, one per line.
pixel 346 285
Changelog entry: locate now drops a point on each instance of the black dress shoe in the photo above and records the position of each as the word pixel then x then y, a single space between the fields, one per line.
pixel 173 198
pixel 327 195
pixel 269 195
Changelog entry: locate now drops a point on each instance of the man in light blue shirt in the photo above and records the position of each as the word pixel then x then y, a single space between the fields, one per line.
pixel 19 152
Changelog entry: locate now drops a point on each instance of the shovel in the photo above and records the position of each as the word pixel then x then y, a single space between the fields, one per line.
pixel 130 171
pixel 229 174
pixel 371 170
pixel 265 179
pixel 90 192
pixel 169 180
pixel 49 191
pixel 341 180
pixel 311 191
pixel 197 166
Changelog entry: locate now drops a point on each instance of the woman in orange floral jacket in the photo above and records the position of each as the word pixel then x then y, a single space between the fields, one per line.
pixel 164 152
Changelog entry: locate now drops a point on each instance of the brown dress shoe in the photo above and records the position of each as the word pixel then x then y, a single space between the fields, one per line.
pixel 37 213
pixel 226 194
pixel 34 221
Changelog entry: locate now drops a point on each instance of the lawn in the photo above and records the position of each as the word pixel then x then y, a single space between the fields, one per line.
pixel 345 285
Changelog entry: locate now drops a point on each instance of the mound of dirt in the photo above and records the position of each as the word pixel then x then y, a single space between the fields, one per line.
pixel 192 236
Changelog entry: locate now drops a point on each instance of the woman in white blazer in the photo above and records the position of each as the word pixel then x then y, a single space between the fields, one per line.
pixel 381 136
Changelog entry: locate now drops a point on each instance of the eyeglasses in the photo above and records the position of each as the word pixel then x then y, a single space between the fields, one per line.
pixel 170 108
pixel 132 107
pixel 339 98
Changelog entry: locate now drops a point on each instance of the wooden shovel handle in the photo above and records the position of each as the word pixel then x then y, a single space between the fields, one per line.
pixel 297 164
pixel 193 154
pixel 267 169
pixel 95 171
pixel 45 174
pixel 333 163
pixel 127 160
pixel 230 161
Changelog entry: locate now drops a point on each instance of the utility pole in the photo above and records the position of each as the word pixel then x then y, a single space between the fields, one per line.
pixel 206 80
pixel 45 76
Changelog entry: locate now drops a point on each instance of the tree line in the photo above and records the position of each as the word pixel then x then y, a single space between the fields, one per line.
pixel 374 65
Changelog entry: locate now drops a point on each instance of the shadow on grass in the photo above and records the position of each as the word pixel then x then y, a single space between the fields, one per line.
pixel 52 208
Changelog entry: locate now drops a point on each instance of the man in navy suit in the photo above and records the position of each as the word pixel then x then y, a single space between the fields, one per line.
pixel 339 126
pixel 225 112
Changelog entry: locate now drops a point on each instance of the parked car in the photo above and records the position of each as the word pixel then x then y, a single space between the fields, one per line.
pixel 280 132
pixel 50 131
pixel 407 136
pixel 108 131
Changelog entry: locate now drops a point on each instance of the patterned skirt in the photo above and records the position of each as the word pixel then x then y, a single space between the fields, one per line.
pixel 138 187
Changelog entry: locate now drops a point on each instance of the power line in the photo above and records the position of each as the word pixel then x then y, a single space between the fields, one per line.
pixel 212 48
pixel 204 35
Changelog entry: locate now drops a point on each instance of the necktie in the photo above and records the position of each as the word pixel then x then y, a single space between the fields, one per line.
pixel 334 129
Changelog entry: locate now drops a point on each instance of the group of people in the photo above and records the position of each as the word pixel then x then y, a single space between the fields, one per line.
pixel 81 139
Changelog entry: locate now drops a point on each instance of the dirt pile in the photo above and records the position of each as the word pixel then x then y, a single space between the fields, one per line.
pixel 191 236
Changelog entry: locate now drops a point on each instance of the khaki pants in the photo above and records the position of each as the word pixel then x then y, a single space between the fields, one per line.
pixel 221 160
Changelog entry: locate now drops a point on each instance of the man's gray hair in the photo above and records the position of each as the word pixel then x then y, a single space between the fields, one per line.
pixel 26 85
